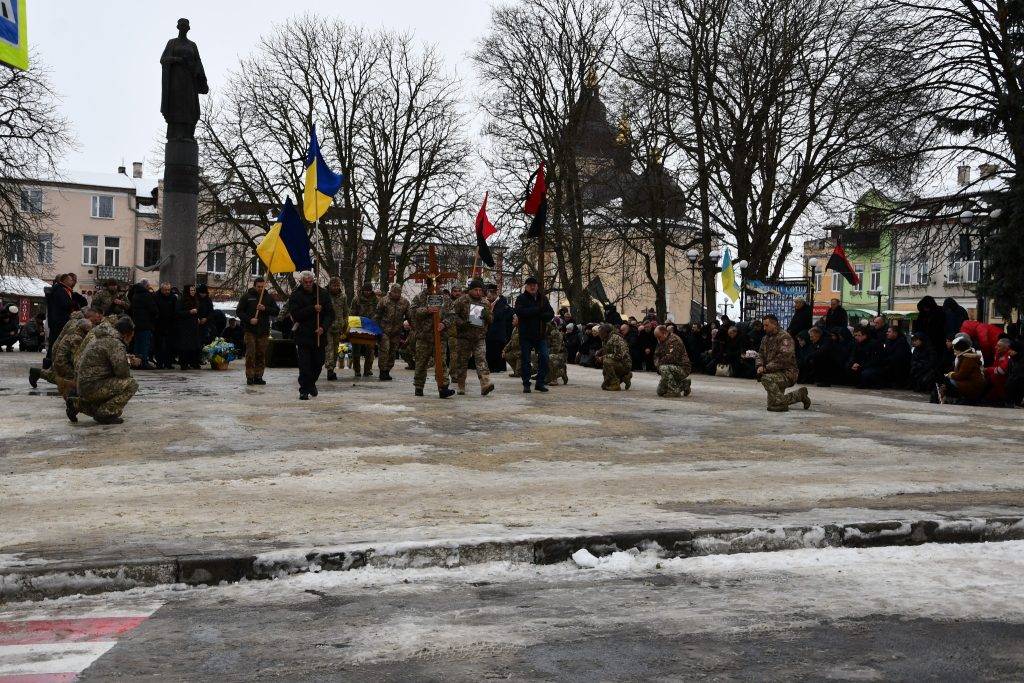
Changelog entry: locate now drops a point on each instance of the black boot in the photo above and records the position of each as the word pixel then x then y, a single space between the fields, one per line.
pixel 419 391
pixel 445 392
pixel 71 408
pixel 385 377
pixel 259 381
pixel 331 376
pixel 33 377
pixel 249 381
pixel 115 420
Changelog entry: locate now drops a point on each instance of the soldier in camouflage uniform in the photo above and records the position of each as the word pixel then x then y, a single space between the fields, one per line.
pixel 365 306
pixel 616 361
pixel 105 382
pixel 49 374
pixel 109 300
pixel 392 312
pixel 423 330
pixel 511 353
pixel 672 362
pixel 472 316
pixel 777 368
pixel 110 321
pixel 338 330
pixel 64 355
pixel 556 351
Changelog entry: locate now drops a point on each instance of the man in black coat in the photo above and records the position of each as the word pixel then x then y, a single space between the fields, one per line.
pixel 836 315
pixel 866 368
pixel 163 330
pixel 60 304
pixel 822 364
pixel 311 309
pixel 896 357
pixel 802 320
pixel 534 312
pixel 500 329
pixel 144 313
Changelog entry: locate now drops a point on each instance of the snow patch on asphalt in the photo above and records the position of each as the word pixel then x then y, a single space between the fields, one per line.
pixel 381 408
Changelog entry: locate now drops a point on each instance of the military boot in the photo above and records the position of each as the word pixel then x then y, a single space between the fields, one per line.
pixel 686 387
pixel 612 386
pixel 462 389
pixel 804 397
pixel 778 409
pixel 33 377
pixel 445 392
pixel 419 391
pixel 332 376
pixel 628 380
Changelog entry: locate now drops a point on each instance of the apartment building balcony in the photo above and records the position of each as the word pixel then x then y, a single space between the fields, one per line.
pixel 122 274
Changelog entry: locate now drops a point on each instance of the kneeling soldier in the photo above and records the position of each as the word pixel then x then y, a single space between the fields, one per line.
pixel 672 362
pixel 616 361
pixel 103 370
pixel 777 369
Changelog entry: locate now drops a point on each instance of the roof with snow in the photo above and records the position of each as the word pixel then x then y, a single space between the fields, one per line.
pixel 21 285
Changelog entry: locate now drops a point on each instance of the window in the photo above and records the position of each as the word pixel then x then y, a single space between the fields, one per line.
pixel 150 253
pixel 44 248
pixel 837 282
pixel 102 206
pixel 257 267
pixel 111 251
pixel 953 270
pixel 32 200
pixel 90 250
pixel 924 271
pixel 17 250
pixel 817 282
pixel 217 262
pixel 859 287
pixel 906 274
pixel 972 272
pixel 876 277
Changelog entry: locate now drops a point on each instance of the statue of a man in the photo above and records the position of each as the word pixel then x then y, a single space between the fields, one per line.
pixel 184 80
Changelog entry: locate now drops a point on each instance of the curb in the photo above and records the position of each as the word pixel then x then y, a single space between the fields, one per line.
pixel 62 579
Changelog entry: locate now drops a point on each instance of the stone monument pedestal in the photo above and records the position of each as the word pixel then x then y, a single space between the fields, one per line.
pixel 179 232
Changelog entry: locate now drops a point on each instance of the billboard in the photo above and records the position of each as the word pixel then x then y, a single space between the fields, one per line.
pixel 13 34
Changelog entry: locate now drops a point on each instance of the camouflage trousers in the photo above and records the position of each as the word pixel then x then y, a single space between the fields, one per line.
pixel 675 381
pixel 424 359
pixel 515 360
pixel 387 349
pixel 464 350
pixel 49 375
pixel 256 354
pixel 362 355
pixel 409 353
pixel 776 383
pixel 332 359
pixel 556 368
pixel 615 374
pixel 106 398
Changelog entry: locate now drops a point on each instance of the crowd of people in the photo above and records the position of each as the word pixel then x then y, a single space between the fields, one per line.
pixel 93 346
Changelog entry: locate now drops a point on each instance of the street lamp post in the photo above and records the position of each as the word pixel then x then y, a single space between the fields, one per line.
pixel 813 263
pixel 742 265
pixel 691 256
pixel 710 264
pixel 878 293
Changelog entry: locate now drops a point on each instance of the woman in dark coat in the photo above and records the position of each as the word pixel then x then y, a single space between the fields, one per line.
pixel 931 322
pixel 189 322
pixel 955 314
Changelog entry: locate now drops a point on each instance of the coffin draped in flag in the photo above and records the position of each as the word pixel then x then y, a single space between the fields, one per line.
pixel 484 229
pixel 321 182
pixel 838 263
pixel 537 204
pixel 285 248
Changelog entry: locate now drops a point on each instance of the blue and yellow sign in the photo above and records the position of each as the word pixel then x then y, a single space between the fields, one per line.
pixel 13 34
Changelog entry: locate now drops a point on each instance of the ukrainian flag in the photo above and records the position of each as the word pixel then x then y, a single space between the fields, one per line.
pixel 729 277
pixel 321 183
pixel 285 248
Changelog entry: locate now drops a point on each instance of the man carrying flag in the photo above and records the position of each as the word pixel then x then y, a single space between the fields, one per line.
pixel 484 229
pixel 321 183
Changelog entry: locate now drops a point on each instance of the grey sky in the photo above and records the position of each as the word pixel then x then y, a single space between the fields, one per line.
pixel 104 56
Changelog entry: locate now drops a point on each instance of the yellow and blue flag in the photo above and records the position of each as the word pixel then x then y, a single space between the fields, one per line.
pixel 321 182
pixel 729 277
pixel 285 248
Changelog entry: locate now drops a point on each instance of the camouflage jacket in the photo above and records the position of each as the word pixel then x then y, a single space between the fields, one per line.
pixel 103 358
pixel 392 314
pixel 71 325
pixel 108 321
pixel 672 351
pixel 616 349
pixel 461 310
pixel 423 319
pixel 556 340
pixel 778 354
pixel 65 349
pixel 103 300
pixel 340 306
pixel 364 307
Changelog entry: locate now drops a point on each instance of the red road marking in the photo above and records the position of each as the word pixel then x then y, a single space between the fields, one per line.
pixel 41 631
pixel 39 678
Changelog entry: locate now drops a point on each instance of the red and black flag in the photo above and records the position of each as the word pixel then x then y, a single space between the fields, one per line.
pixel 537 203
pixel 484 229
pixel 838 263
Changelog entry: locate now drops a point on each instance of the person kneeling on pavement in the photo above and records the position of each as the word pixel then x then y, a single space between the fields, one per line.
pixel 777 368
pixel 616 361
pixel 672 363
pixel 104 374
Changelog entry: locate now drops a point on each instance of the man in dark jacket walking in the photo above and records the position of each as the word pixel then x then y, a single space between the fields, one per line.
pixel 163 330
pixel 144 313
pixel 311 310
pixel 802 318
pixel 500 330
pixel 534 312
pixel 255 309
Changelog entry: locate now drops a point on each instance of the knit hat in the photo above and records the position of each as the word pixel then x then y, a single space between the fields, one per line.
pixel 476 282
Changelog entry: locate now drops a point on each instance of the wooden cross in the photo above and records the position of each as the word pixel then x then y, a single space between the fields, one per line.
pixel 435 277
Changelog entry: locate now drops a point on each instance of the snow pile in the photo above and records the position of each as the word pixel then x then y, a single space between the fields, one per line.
pixel 623 560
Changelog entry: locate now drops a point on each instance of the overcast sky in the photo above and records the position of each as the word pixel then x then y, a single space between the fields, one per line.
pixel 104 56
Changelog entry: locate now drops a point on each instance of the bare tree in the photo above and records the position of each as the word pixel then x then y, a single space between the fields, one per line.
pixel 34 135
